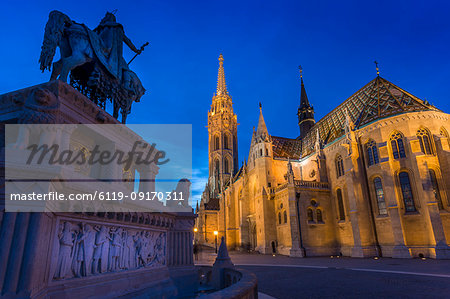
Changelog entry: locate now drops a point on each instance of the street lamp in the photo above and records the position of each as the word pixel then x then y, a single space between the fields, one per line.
pixel 195 229
pixel 215 238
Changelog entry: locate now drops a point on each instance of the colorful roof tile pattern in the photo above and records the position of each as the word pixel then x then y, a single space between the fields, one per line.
pixel 377 99
pixel 286 148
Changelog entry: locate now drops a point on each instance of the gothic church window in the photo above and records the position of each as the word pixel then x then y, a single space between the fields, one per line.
pixel 225 141
pixel 319 215
pixel 379 193
pixel 279 217
pixel 407 195
pixel 340 202
pixel 310 215
pixel 398 149
pixel 372 152
pixel 425 141
pixel 216 142
pixel 339 166
pixel 443 132
pixel 226 166
pixel 285 216
pixel 434 184
pixel 217 167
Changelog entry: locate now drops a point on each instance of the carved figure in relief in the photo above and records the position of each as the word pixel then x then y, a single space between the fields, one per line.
pixel 101 248
pixel 115 250
pixel 83 252
pixel 66 238
pixel 160 250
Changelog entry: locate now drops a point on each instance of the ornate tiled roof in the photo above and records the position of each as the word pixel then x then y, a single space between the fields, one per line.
pixel 377 99
pixel 286 147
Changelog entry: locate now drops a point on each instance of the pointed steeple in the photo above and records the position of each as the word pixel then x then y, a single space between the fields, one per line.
pixel 221 84
pixel 262 129
pixel 305 111
pixel 304 103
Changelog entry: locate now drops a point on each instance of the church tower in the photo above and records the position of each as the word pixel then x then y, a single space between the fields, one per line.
pixel 305 111
pixel 222 131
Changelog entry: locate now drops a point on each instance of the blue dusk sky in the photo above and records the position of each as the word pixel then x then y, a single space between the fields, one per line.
pixel 263 42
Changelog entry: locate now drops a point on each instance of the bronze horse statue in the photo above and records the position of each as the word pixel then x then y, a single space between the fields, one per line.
pixel 95 69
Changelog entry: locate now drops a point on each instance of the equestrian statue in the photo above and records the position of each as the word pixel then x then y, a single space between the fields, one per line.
pixel 94 59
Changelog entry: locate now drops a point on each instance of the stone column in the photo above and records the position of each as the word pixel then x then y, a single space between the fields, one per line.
pixel 297 249
pixel 147 179
pixel 399 250
pixel 357 250
pixel 431 212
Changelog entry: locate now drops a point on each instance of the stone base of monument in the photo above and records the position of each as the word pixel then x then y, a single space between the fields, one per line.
pixel 87 254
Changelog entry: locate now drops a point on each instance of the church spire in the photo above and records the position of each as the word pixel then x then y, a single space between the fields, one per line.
pixel 304 103
pixel 305 111
pixel 221 85
pixel 261 129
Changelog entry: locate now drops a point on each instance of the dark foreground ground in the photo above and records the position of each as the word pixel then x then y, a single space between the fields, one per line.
pixel 284 277
pixel 281 282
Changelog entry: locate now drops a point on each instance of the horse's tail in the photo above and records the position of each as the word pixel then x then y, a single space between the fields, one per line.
pixel 54 30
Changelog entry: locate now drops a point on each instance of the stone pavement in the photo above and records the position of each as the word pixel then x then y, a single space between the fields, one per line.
pixel 438 268
pixel 318 277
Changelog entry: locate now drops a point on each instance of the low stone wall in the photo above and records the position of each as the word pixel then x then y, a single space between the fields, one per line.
pixel 239 283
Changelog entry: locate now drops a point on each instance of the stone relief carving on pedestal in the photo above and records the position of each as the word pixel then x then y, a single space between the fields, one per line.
pixel 85 249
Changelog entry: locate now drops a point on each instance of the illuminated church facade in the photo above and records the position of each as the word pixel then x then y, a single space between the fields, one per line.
pixel 371 178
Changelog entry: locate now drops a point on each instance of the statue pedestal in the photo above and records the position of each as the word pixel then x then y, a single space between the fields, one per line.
pixel 73 254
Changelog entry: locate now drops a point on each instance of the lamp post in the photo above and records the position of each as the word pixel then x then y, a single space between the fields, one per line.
pixel 195 249
pixel 215 238
pixel 195 234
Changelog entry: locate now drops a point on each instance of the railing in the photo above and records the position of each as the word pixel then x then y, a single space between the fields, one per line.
pixel 305 185
pixel 311 184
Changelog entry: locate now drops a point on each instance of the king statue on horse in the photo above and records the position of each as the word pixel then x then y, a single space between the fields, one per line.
pixel 94 59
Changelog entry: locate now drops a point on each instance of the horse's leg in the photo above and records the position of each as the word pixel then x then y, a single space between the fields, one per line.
pixel 57 66
pixel 78 46
pixel 116 109
pixel 70 63
pixel 124 116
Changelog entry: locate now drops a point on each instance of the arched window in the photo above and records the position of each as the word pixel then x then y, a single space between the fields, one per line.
pixel 425 141
pixel 226 166
pixel 372 152
pixel 443 132
pixel 434 184
pixel 267 152
pixel 225 141
pixel 279 217
pixel 285 216
pixel 381 203
pixel 309 213
pixel 339 166
pixel 216 142
pixel 340 202
pixel 260 152
pixel 319 215
pixel 217 167
pixel 398 150
pixel 407 194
